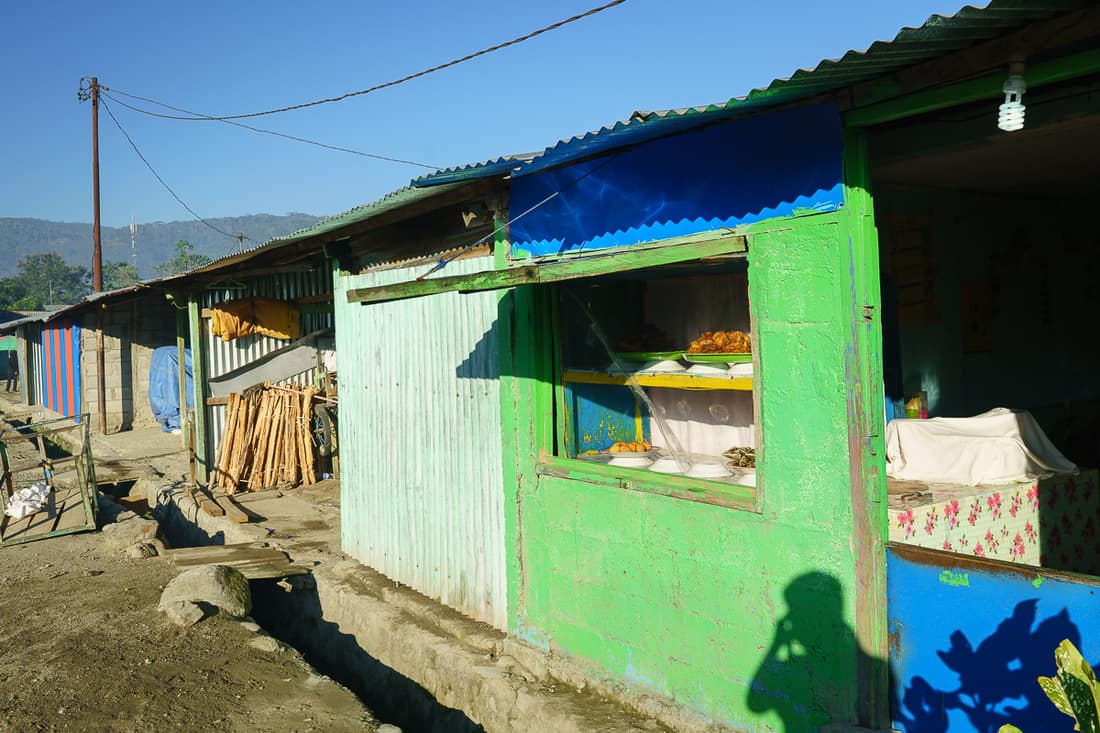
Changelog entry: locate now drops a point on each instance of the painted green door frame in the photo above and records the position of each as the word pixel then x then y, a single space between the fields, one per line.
pixel 866 422
pixel 866 427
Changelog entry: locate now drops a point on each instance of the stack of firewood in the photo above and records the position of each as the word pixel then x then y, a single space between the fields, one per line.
pixel 266 441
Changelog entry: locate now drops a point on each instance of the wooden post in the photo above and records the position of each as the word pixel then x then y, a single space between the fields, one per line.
pixel 181 349
pixel 198 375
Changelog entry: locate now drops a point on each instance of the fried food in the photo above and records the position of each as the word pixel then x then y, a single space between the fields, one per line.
pixel 741 457
pixel 721 342
pixel 634 446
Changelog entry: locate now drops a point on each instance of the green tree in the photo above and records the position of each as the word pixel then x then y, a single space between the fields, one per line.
pixel 44 279
pixel 12 293
pixel 186 259
pixel 118 275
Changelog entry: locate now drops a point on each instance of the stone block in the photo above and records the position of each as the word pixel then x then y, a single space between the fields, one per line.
pixel 216 585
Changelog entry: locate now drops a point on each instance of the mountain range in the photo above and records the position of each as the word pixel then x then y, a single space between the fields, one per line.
pixel 156 241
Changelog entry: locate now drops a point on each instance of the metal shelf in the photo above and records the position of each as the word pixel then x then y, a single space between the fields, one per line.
pixel 670 381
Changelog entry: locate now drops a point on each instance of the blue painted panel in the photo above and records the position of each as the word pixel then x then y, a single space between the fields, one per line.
pixel 603 414
pixel 969 637
pixel 731 173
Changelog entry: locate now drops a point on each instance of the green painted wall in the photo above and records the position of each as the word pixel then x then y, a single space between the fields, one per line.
pixel 744 616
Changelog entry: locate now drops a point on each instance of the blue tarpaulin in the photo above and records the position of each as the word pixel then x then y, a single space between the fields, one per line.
pixel 164 386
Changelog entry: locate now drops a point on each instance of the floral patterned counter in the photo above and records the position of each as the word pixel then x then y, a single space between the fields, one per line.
pixel 1049 523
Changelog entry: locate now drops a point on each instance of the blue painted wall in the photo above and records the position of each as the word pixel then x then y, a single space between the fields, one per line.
pixel 731 173
pixel 603 414
pixel 969 638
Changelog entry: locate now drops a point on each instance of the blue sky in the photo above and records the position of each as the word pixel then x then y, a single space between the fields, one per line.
pixel 227 58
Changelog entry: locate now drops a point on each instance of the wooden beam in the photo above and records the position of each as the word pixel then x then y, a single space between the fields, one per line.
pixel 181 348
pixel 231 510
pixel 474 190
pixel 1031 40
pixel 198 376
pixel 974 90
pixel 685 249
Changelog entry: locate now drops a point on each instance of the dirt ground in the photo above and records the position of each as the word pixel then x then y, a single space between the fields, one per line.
pixel 83 648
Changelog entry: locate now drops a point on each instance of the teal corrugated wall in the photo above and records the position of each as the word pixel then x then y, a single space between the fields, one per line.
pixel 420 467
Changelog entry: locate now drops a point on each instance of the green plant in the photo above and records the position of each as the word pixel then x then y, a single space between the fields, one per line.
pixel 1073 690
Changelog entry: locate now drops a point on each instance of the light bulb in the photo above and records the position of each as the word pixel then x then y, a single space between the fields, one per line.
pixel 1011 116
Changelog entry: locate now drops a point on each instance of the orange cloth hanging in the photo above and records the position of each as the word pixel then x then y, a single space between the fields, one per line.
pixel 235 318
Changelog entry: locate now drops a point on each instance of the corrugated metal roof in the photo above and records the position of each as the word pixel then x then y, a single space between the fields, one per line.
pixel 390 202
pixel 938 36
pixel 104 296
pixel 501 166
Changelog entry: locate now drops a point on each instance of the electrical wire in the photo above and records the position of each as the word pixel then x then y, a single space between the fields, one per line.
pixel 168 188
pixel 250 127
pixel 395 82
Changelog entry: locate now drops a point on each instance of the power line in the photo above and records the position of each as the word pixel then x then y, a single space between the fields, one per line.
pixel 239 237
pixel 249 127
pixel 402 80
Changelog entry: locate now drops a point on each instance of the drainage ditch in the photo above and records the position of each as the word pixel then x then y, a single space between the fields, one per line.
pixel 297 618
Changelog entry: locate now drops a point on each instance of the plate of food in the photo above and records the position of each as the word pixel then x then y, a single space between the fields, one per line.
pixel 708 470
pixel 741 457
pixel 721 344
pixel 630 454
pixel 745 358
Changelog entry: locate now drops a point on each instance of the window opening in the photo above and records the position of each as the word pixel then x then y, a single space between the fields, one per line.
pixel 636 395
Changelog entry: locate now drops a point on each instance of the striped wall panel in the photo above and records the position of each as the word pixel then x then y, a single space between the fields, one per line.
pixel 61 367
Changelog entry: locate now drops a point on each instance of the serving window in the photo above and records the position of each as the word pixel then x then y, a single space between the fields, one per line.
pixel 657 373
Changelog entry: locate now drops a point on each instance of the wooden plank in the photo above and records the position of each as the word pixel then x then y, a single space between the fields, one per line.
pixel 258 495
pixel 181 346
pixel 972 90
pixel 207 504
pixel 686 249
pixel 198 374
pixel 217 401
pixel 231 510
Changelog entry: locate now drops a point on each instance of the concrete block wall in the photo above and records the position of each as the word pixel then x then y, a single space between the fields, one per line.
pixel 131 331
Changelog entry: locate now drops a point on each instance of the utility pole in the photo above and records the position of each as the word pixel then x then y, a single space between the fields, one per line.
pixel 97 252
pixel 92 93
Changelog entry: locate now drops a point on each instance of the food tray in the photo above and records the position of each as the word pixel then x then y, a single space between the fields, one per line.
pixel 717 358
pixel 648 355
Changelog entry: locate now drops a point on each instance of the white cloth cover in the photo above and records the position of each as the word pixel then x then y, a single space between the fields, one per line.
pixel 997 447
pixel 28 501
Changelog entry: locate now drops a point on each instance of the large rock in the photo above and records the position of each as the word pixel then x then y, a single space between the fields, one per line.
pixel 212 585
pixel 183 613
pixel 130 532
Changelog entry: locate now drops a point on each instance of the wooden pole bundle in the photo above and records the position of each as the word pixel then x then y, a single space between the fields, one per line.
pixel 266 440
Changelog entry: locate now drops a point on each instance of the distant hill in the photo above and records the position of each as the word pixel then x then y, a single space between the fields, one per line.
pixel 155 241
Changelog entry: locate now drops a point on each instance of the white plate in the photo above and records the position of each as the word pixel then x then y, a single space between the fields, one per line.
pixel 629 460
pixel 708 470
pixel 666 465
pixel 664 366
pixel 709 370
pixel 741 370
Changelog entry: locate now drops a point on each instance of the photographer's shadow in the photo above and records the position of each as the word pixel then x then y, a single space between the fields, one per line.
pixel 812 672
